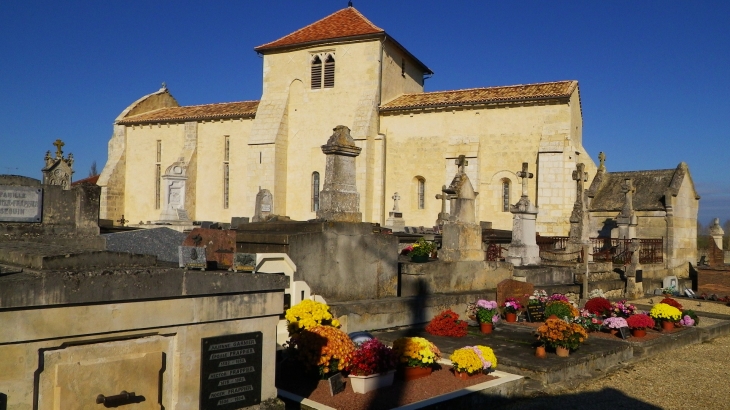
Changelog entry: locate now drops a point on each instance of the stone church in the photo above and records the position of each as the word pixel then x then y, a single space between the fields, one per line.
pixel 208 162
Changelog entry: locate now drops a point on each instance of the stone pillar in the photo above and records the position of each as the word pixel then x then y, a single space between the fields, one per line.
pixel 462 236
pixel 523 249
pixel 717 232
pixel 634 289
pixel 626 220
pixel 579 218
pixel 339 200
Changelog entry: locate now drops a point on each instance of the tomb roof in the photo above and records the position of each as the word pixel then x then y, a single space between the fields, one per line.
pixel 651 187
pixel 510 93
pixel 240 109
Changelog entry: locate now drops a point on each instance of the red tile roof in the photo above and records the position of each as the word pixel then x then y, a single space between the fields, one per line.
pixel 241 109
pixel 89 180
pixel 347 22
pixel 527 92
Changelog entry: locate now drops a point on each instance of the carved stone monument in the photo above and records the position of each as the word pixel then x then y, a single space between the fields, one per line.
pixel 443 215
pixel 339 200
pixel 395 217
pixel 462 235
pixel 579 223
pixel 58 170
pixel 634 289
pixel 627 220
pixel 523 249
pixel 264 205
pixel 717 232
pixel 173 192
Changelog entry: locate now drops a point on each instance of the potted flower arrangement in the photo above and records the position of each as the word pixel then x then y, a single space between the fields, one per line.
pixel 692 315
pixel 638 324
pixel 473 360
pixel 487 315
pixel 325 347
pixel 622 309
pixel 308 314
pixel 666 315
pixel 561 309
pixel 372 366
pixel 421 250
pixel 510 306
pixel 447 323
pixel 613 324
pixel 591 322
pixel 671 302
pixel 599 306
pixel 538 297
pixel 561 335
pixel 417 355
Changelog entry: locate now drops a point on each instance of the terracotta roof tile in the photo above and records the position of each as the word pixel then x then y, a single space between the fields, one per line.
pixel 558 89
pixel 241 109
pixel 347 22
pixel 90 180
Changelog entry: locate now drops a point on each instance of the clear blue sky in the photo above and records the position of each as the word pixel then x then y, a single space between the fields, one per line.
pixel 654 76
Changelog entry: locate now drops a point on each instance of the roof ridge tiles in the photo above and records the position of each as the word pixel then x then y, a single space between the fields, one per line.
pixel 492 87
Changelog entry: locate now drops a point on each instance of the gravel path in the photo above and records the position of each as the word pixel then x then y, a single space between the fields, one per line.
pixel 690 377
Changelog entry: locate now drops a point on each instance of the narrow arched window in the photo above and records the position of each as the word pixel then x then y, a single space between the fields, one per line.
pixel 505 195
pixel 316 73
pixel 315 191
pixel 421 193
pixel 329 71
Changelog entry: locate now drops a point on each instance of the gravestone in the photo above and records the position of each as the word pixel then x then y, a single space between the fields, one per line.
pixel 671 282
pixel 21 204
pixel 192 257
pixel 523 249
pixel 238 220
pixel 627 220
pixel 462 236
pixel 230 376
pixel 173 192
pixel 219 245
pixel 579 219
pixel 510 288
pixel 443 215
pixel 162 242
pixel 395 217
pixel 264 205
pixel 339 200
pixel 243 262
pixel 716 232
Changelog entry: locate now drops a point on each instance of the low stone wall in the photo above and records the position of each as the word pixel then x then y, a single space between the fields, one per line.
pixel 451 277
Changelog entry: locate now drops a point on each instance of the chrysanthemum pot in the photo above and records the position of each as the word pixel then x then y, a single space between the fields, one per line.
pixel 464 375
pixel 486 328
pixel 409 373
pixel 638 332
pixel 562 351
pixel 364 384
pixel 667 325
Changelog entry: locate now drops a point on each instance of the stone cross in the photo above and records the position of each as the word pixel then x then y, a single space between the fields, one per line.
pixel 602 160
pixel 59 144
pixel 396 198
pixel 443 197
pixel 580 176
pixel 628 189
pixel 122 221
pixel 525 176
pixel 461 162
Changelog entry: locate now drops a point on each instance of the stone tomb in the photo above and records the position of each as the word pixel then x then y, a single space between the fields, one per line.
pixel 509 288
pixel 192 257
pixel 162 242
pixel 219 245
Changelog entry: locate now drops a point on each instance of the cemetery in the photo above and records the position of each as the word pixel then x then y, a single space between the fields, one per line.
pixel 334 312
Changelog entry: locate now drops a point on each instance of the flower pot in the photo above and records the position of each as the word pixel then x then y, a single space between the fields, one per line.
pixel 464 375
pixel 510 317
pixel 364 384
pixel 638 332
pixel 553 317
pixel 667 325
pixel 562 351
pixel 540 352
pixel 415 372
pixel 419 258
pixel 613 331
pixel 486 328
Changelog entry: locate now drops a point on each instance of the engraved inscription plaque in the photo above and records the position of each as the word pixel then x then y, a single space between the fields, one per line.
pixel 20 204
pixel 535 313
pixel 230 371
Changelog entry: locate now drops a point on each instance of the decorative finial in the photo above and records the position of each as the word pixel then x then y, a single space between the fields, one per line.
pixel 164 86
pixel 602 159
pixel 349 4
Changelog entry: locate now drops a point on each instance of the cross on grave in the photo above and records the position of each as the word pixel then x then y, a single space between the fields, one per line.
pixel 525 176
pixel 628 189
pixel 580 176
pixel 461 162
pixel 122 221
pixel 602 160
pixel 59 144
pixel 395 198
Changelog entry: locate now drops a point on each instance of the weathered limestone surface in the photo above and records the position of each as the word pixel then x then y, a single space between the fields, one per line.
pixel 339 200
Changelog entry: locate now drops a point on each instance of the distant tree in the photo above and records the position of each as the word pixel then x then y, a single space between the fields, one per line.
pixel 93 172
pixel 703 236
